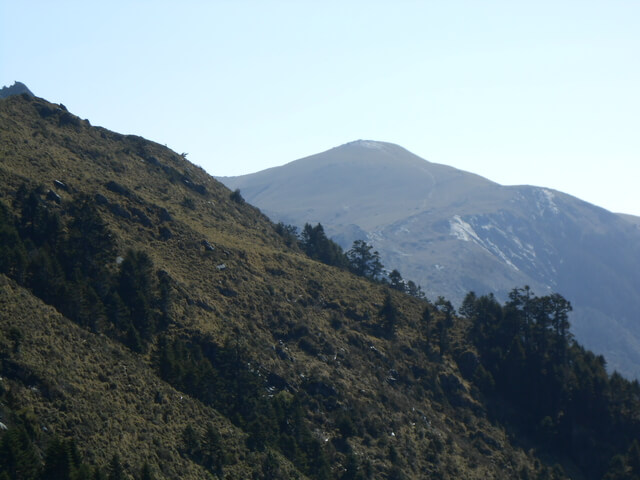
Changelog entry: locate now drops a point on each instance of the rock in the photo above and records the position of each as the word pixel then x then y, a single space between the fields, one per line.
pixel 201 189
pixel 60 185
pixel 53 196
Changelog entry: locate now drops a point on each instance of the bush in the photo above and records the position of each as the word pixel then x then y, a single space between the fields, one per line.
pixel 236 196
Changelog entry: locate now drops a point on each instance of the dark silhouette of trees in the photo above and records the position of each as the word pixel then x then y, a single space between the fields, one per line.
pixel 65 260
pixel 236 196
pixel 116 471
pixel 315 243
pixel 396 282
pixel 364 261
pixel 389 316
pixel 146 473
pixel 361 259
pixel 444 323
pixel 18 457
pixel 415 290
pixel 556 387
pixel 289 233
pixel 218 375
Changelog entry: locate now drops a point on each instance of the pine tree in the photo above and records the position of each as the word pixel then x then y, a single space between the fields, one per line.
pixel 191 442
pixel 145 472
pixel 58 462
pixel 415 290
pixel 318 246
pixel 467 309
pixel 18 457
pixel 633 458
pixel 135 287
pixel 116 471
pixel 390 315
pixel 212 451
pixel 363 261
pixel 396 282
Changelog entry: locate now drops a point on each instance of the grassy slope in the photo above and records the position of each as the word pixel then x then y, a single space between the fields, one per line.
pixel 391 385
pixel 89 387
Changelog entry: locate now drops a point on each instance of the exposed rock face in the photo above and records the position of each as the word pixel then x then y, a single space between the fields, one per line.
pixel 16 89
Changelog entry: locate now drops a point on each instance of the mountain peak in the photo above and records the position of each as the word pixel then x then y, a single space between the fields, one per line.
pixel 370 147
pixel 365 144
pixel 16 89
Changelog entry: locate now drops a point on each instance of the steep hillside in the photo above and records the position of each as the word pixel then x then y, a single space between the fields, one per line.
pixel 154 325
pixel 452 232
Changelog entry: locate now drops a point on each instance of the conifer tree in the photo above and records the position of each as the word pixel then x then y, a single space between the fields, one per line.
pixel 363 261
pixel 18 457
pixel 390 315
pixel 396 282
pixel 145 472
pixel 58 461
pixel 116 471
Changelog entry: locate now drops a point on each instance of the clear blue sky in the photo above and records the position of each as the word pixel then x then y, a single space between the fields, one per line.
pixel 544 93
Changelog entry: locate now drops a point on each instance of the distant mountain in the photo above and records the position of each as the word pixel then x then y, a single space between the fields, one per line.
pixel 453 232
pixel 631 218
pixel 16 89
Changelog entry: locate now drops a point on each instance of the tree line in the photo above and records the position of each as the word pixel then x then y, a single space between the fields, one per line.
pixel 560 393
pixel 361 259
pixel 20 460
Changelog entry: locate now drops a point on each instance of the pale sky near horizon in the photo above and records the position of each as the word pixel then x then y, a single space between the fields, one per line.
pixel 544 93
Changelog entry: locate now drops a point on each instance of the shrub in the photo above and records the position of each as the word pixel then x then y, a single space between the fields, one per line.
pixel 236 196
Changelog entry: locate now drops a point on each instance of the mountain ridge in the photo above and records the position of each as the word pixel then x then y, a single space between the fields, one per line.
pixel 428 221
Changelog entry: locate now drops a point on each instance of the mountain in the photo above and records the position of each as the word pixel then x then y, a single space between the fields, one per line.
pixel 17 88
pixel 153 324
pixel 631 218
pixel 452 232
